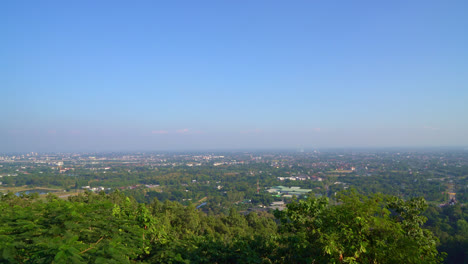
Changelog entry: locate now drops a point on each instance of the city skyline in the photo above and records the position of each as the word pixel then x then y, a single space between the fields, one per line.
pixel 120 76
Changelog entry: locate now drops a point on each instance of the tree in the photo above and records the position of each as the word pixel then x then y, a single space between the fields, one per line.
pixel 360 229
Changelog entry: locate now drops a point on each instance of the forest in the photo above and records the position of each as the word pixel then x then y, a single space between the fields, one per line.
pixel 114 228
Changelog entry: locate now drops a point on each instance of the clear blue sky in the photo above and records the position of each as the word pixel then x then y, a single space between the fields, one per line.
pixel 173 75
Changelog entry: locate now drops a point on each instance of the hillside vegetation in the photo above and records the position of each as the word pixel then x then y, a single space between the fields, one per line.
pixel 114 228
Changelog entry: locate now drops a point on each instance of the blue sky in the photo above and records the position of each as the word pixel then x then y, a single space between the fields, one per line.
pixel 175 75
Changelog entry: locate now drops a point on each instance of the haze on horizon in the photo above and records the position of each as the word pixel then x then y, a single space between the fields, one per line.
pixel 176 75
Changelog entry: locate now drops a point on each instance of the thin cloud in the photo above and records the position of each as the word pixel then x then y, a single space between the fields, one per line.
pixel 52 132
pixel 188 131
pixel 159 132
pixel 183 131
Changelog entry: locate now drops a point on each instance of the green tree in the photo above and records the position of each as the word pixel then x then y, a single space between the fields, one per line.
pixel 359 229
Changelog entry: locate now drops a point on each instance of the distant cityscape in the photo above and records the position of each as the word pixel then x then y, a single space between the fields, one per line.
pixel 279 174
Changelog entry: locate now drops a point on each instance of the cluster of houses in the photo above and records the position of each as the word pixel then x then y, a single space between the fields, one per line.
pixel 278 205
pixel 95 189
pixel 288 192
pixel 300 178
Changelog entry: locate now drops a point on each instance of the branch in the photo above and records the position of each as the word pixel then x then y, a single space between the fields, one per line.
pixel 91 246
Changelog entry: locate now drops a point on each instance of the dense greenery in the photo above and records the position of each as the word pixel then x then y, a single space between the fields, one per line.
pixel 114 228
pixel 376 229
pixel 215 232
pixel 449 224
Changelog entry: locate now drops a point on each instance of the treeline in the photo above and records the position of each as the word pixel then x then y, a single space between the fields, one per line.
pixel 114 228
pixel 399 184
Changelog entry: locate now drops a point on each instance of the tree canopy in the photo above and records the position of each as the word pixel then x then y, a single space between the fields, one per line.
pixel 114 228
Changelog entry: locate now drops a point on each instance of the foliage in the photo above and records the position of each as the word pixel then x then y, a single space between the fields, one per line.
pixel 114 228
pixel 359 229
pixel 449 223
